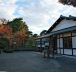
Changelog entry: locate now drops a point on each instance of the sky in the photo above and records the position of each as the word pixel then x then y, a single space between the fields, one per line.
pixel 38 14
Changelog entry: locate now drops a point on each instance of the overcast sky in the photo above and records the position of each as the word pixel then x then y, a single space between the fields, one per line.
pixel 38 14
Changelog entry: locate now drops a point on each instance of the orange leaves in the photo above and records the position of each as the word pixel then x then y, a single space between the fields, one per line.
pixel 5 29
pixel 14 31
pixel 21 35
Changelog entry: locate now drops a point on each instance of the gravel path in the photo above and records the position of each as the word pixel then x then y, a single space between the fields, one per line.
pixel 34 62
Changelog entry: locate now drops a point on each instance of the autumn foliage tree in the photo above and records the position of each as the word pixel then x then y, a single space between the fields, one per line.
pixel 5 34
pixel 17 33
pixel 18 24
pixel 20 31
pixel 5 29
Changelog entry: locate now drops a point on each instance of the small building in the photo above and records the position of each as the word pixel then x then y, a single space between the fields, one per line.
pixel 61 36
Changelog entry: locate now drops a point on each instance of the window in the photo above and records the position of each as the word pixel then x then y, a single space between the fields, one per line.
pixel 57 36
pixel 67 34
pixel 53 42
pixel 74 33
pixel 67 42
pixel 61 35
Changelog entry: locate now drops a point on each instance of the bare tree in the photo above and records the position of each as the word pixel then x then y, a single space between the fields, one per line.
pixel 68 2
pixel 3 21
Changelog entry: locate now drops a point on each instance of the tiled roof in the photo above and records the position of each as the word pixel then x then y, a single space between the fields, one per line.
pixel 59 20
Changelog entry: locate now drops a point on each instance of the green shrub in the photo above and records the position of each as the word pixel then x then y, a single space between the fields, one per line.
pixel 4 43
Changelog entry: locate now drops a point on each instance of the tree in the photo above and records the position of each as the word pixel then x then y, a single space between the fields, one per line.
pixel 5 29
pixel 6 32
pixel 68 2
pixel 20 38
pixel 43 32
pixel 3 21
pixel 20 31
pixel 18 25
pixel 35 35
pixel 31 41
pixel 30 33
pixel 4 43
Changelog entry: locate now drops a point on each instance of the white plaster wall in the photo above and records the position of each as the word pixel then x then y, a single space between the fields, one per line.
pixel 65 24
pixel 74 52
pixel 61 42
pixel 74 42
pixel 68 51
pixel 58 50
pixel 61 51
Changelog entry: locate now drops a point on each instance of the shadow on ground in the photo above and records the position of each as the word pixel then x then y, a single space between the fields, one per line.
pixel 34 62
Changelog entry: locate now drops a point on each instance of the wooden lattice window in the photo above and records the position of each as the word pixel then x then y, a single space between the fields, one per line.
pixel 67 41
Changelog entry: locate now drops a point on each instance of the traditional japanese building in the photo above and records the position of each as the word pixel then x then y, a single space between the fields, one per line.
pixel 61 36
